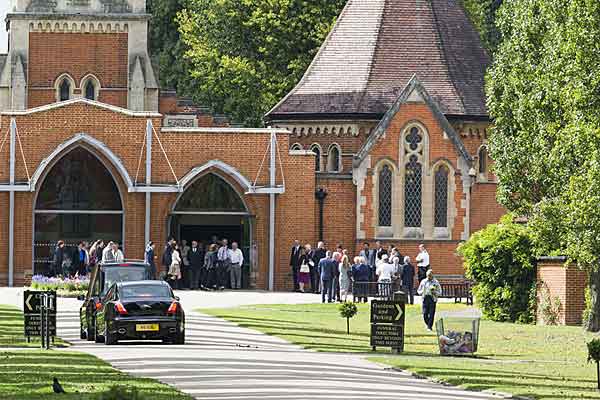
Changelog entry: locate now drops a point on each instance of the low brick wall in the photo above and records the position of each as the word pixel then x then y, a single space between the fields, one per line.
pixel 568 283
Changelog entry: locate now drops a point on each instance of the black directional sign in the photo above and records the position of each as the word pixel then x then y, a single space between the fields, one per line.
pixel 32 305
pixel 387 312
pixel 387 335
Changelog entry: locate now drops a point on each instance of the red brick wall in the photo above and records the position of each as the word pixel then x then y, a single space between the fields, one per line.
pixel 339 212
pixel 566 283
pixel 484 207
pixel 42 132
pixel 78 54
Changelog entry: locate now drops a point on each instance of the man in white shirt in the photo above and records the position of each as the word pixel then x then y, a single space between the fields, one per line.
pixel 224 264
pixel 430 289
pixel 236 257
pixel 422 262
pixel 115 254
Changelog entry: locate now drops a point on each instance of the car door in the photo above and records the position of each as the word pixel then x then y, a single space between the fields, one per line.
pixel 104 311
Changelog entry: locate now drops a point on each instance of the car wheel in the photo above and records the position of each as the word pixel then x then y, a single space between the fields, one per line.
pixel 91 332
pixel 180 338
pixel 97 338
pixel 109 338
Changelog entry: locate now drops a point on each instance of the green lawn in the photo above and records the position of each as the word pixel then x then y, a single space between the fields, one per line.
pixel 11 329
pixel 27 374
pixel 536 361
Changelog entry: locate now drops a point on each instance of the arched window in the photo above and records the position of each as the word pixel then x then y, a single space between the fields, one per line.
pixel 441 197
pixel 413 193
pixel 64 90
pixel 482 160
pixel 210 193
pixel 317 150
pixel 385 196
pixel 333 159
pixel 90 90
pixel 296 146
pixel 78 200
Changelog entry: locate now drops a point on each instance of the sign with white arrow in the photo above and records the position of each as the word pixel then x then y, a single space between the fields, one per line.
pixel 387 312
pixel 32 305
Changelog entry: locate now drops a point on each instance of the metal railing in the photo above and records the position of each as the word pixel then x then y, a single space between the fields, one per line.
pixel 378 290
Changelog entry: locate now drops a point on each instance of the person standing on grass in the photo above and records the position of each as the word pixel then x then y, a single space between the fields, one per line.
pixel 422 262
pixel 327 266
pixel 430 289
pixel 408 279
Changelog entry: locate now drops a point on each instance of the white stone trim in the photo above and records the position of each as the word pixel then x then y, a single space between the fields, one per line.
pixel 301 153
pixel 451 210
pixel 201 129
pixel 95 81
pixel 317 145
pixel 105 106
pixel 340 166
pixel 89 140
pixel 59 81
pixel 69 26
pixel 386 231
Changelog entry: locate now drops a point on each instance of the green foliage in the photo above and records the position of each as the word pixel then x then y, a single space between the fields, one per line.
pixel 348 310
pixel 483 15
pixel 594 350
pixel 587 312
pixel 549 306
pixel 121 393
pixel 500 260
pixel 246 55
pixel 544 95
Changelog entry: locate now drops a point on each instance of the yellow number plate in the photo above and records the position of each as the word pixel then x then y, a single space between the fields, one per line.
pixel 146 327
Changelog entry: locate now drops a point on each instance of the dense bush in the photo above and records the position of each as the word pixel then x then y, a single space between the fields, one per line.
pixel 500 259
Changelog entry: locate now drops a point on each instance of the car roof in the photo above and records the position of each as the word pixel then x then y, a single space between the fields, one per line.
pixel 147 283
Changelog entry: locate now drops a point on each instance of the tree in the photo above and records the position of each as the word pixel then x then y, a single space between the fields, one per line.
pixel 245 55
pixel 166 47
pixel 348 310
pixel 544 95
pixel 483 16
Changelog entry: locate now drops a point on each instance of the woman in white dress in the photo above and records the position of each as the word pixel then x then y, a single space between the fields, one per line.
pixel 175 268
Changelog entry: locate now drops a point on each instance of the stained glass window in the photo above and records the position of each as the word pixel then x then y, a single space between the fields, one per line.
pixel 385 196
pixel 441 197
pixel 210 193
pixel 483 160
pixel 414 138
pixel 412 193
pixel 65 90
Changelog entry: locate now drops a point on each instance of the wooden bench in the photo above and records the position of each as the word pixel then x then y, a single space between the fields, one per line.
pixel 456 287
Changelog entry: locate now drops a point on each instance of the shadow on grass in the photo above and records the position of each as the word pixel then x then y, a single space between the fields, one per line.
pixel 28 375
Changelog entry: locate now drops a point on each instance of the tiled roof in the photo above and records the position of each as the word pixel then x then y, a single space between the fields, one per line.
pixel 376 47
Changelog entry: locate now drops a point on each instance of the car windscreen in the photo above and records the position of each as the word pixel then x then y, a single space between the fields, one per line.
pixel 141 290
pixel 123 274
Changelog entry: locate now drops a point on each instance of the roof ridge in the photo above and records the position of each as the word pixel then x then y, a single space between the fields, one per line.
pixel 445 56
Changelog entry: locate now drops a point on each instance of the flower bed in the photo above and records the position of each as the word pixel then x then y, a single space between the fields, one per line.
pixel 65 287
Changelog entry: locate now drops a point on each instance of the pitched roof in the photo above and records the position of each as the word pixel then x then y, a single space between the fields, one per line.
pixel 374 49
pixel 413 91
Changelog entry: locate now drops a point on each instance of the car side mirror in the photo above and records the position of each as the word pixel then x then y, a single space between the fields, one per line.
pixel 81 297
pixel 176 298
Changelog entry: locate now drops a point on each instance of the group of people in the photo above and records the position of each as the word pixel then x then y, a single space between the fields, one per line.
pixel 80 260
pixel 212 266
pixel 334 276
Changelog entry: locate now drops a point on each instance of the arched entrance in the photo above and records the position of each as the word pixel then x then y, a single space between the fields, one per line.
pixel 211 207
pixel 78 200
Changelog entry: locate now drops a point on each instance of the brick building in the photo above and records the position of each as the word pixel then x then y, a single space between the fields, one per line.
pixel 389 122
pixel 91 147
pixel 393 105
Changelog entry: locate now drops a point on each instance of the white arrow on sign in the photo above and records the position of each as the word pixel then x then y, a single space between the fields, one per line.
pixel 27 302
pixel 399 312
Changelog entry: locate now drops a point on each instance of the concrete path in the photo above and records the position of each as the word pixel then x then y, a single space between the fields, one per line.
pixel 221 360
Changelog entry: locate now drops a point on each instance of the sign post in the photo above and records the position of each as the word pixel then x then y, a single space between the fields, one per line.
pixel 39 311
pixel 387 323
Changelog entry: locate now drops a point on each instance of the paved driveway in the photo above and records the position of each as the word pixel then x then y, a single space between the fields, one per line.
pixel 221 360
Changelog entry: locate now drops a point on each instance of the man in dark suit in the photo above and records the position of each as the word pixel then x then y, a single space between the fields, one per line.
pixel 196 258
pixel 327 266
pixel 317 256
pixel 295 263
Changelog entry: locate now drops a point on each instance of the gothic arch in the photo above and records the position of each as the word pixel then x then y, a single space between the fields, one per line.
pixel 316 148
pixel 93 80
pixel 82 139
pixel 334 158
pixel 219 165
pixel 59 87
